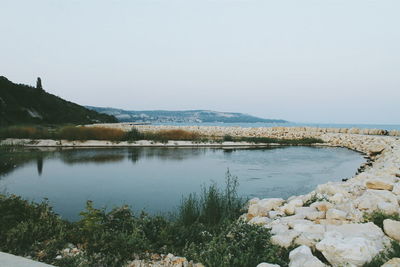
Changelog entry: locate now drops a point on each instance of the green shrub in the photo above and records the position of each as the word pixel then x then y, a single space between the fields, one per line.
pixel 392 252
pixel 134 135
pixel 227 138
pixel 239 244
pixel 204 229
pixel 378 217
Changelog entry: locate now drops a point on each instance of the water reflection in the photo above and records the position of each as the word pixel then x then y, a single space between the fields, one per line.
pixel 155 179
pixel 14 158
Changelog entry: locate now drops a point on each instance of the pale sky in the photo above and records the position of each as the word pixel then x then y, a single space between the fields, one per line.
pixel 333 61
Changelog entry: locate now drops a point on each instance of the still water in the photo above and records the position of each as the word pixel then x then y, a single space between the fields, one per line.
pixel 155 179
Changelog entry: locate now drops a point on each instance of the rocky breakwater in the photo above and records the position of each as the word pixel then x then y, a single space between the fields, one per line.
pixel 331 219
pixel 288 132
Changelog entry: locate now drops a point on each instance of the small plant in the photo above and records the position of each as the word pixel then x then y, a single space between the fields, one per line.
pixel 227 138
pixel 378 217
pixel 392 252
pixel 134 135
pixel 314 198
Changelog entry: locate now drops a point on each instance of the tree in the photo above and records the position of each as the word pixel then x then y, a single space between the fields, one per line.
pixel 39 84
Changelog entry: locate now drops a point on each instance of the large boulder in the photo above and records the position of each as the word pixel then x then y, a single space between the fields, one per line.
pixel 335 214
pixel 262 207
pixel 284 239
pixel 395 262
pixel 352 244
pixel 264 264
pixel 392 229
pixel 302 256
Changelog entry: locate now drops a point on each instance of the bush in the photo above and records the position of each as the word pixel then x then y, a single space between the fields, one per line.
pixel 134 135
pixel 214 205
pixel 239 244
pixel 227 138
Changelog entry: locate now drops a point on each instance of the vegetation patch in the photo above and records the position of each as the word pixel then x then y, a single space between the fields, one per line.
pixel 204 229
pixel 378 217
pixel 83 133
pixel 392 252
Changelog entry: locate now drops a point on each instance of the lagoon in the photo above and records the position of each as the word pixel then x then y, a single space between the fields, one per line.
pixel 155 179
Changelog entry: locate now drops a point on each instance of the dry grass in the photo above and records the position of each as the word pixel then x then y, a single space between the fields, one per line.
pixel 176 135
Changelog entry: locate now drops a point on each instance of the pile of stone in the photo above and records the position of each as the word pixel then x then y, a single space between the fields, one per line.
pixel 331 219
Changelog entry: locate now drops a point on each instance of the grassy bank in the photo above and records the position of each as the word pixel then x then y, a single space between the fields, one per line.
pixel 73 133
pixel 204 229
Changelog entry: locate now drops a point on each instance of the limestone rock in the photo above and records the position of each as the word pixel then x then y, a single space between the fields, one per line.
pixel 322 205
pixel 388 208
pixel 279 229
pixel 396 189
pixel 316 215
pixel 352 244
pixel 395 262
pixel 302 256
pixel 284 239
pixel 392 229
pixel 267 204
pixel 379 184
pixel 263 264
pixel 334 214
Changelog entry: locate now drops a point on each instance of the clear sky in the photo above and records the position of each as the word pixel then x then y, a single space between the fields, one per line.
pixel 305 61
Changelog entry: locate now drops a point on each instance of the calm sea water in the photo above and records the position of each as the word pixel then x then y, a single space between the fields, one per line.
pixel 292 124
pixel 155 179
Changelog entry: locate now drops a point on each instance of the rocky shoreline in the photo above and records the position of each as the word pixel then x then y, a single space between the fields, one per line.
pixel 329 220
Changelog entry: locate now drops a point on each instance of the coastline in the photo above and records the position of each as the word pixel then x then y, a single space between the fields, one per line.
pixel 331 218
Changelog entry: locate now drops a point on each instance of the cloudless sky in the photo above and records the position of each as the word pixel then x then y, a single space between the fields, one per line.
pixel 306 61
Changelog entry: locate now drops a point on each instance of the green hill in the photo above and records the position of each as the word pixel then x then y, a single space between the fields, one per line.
pixel 24 104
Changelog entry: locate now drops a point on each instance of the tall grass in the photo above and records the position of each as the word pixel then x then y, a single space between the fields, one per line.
pixel 214 205
pixel 163 136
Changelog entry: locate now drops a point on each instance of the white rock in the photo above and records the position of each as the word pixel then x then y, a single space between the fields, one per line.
pixel 308 239
pixel 396 189
pixel 322 205
pixel 334 214
pixel 395 262
pixel 263 264
pixel 267 204
pixel 337 198
pixel 392 228
pixel 273 214
pixel 316 215
pixel 309 228
pixel 279 229
pixel 354 244
pixel 284 239
pixel 254 200
pixel 388 208
pixel 302 256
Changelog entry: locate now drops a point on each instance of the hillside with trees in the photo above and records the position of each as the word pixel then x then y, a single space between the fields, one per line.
pixel 24 104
